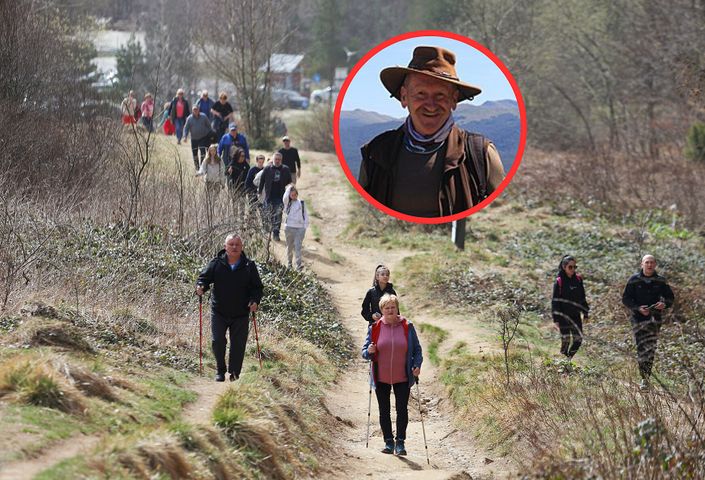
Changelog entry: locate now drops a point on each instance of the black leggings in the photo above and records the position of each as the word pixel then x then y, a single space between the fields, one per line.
pixel 239 328
pixel 646 335
pixel 571 327
pixel 201 144
pixel 401 397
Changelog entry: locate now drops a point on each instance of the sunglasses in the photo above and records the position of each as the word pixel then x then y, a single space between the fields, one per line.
pixel 571 267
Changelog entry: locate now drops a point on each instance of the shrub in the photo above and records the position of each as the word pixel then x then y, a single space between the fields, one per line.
pixel 315 130
pixel 695 142
pixel 35 383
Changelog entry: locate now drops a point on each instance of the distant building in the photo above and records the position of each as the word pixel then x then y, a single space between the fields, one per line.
pixel 285 71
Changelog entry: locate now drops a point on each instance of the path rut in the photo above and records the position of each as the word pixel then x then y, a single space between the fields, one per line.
pixel 453 452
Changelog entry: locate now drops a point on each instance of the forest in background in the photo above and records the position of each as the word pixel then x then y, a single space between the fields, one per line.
pixel 617 85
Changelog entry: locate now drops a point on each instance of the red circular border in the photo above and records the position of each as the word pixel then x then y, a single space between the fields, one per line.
pixel 339 103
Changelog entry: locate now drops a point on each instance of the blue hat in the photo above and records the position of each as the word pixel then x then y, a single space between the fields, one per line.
pixel 232 126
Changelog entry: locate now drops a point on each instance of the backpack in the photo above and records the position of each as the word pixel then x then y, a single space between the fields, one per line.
pixel 559 281
pixel 475 146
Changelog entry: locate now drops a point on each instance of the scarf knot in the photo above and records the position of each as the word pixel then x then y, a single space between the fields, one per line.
pixel 416 142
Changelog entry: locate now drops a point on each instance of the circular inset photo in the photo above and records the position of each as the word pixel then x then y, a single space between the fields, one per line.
pixel 430 126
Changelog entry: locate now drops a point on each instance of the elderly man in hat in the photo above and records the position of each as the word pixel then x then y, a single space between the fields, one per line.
pixel 429 167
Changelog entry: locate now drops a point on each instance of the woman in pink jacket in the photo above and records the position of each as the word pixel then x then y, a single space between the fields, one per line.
pixel 394 349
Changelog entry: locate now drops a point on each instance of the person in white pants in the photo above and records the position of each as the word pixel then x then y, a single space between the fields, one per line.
pixel 295 225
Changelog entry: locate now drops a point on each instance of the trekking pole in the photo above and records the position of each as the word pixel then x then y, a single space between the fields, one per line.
pixel 259 352
pixel 423 429
pixel 200 334
pixel 369 409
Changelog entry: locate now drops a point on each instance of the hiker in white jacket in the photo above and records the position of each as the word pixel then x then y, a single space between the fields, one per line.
pixel 295 225
pixel 212 167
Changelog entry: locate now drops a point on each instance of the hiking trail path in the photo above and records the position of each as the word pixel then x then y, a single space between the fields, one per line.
pixel 453 452
pixel 346 272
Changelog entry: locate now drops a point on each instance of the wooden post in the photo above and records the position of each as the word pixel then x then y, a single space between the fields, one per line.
pixel 458 233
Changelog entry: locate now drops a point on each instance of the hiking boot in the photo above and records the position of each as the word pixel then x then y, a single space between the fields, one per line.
pixel 399 448
pixel 219 377
pixel 388 446
pixel 644 385
pixel 233 377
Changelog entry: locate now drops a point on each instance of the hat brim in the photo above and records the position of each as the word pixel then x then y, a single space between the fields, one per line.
pixel 393 77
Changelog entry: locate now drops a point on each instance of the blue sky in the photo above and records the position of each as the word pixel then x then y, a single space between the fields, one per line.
pixel 366 92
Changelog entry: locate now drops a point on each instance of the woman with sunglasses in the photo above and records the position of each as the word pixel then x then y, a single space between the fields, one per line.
pixel 569 306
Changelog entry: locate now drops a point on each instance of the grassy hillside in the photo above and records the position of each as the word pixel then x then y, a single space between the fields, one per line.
pixel 118 374
pixel 560 419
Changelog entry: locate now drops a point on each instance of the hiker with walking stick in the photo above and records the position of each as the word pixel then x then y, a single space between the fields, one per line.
pixel 237 291
pixel 394 349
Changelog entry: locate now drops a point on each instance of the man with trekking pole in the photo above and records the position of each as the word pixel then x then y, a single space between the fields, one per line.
pixel 237 291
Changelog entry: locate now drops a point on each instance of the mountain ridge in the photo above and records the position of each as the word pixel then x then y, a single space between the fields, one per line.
pixel 498 120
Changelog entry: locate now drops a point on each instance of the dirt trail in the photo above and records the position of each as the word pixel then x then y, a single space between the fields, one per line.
pixel 64 450
pixel 453 452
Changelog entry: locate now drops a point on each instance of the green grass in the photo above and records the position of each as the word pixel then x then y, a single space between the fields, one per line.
pixel 510 260
pixel 316 231
pixel 311 209
pixel 335 257
pixel 435 336
pixel 75 467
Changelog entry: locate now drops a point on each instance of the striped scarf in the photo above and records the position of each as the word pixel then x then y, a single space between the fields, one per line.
pixel 415 142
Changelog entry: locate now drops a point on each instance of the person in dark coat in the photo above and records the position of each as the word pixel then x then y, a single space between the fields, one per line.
pixel 275 178
pixel 290 158
pixel 380 285
pixel 237 291
pixel 647 295
pixel 569 306
pixel 237 172
pixel 429 166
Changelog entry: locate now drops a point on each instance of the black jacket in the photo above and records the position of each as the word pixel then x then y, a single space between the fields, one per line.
pixel 290 158
pixel 643 290
pixel 249 181
pixel 239 175
pixel 265 182
pixel 568 299
pixel 233 290
pixel 370 304
pixel 172 109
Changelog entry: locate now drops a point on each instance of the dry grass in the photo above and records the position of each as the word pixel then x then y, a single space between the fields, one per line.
pixel 44 332
pixel 27 379
pixel 582 424
pixel 616 183
pixel 88 382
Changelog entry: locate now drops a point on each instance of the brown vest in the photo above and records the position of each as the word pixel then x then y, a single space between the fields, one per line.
pixel 464 180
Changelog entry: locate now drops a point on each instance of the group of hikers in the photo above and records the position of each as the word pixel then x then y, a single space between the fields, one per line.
pixel 222 156
pixel 646 295
pixel 392 345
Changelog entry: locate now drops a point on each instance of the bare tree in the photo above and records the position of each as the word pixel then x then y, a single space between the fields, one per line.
pixel 248 33
pixel 508 322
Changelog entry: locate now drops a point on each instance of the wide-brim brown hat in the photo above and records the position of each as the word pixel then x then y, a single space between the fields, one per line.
pixel 435 62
